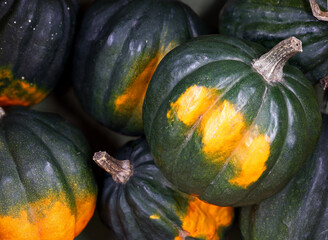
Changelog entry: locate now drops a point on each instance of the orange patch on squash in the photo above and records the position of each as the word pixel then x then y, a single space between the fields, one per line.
pixel 85 208
pixel 133 97
pixel 223 130
pixel 154 216
pixel 190 106
pixel 204 220
pixel 251 156
pixel 47 219
pixel 17 91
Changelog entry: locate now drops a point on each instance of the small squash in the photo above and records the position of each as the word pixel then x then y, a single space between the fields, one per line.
pixel 35 39
pixel 137 202
pixel 227 124
pixel 269 22
pixel 47 189
pixel 118 48
pixel 300 210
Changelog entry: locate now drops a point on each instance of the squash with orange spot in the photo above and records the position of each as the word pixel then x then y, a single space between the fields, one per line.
pixel 48 191
pixel 233 125
pixel 118 48
pixel 35 40
pixel 137 202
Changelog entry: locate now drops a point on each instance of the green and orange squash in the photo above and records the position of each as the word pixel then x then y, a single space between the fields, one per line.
pixel 47 188
pixel 118 48
pixel 35 40
pixel 137 202
pixel 269 22
pixel 226 122
pixel 300 210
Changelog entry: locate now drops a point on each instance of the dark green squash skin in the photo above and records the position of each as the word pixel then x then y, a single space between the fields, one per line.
pixel 269 22
pixel 300 210
pixel 35 40
pixel 287 112
pixel 126 208
pixel 41 156
pixel 116 41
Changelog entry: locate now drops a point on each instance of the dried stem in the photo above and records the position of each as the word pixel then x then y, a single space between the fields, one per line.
pixel 316 11
pixel 324 82
pixel 121 170
pixel 271 64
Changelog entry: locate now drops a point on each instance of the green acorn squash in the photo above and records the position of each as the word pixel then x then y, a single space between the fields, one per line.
pixel 35 39
pixel 300 210
pixel 227 124
pixel 137 202
pixel 269 22
pixel 47 188
pixel 118 48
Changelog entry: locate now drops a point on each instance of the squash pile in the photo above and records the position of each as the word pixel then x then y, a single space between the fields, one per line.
pixel 227 140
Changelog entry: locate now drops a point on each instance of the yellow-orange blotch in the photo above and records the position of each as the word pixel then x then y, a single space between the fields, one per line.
pixel 222 128
pixel 47 219
pixel 252 155
pixel 191 105
pixel 85 207
pixel 155 216
pixel 17 91
pixel 133 97
pixel 224 132
pixel 204 220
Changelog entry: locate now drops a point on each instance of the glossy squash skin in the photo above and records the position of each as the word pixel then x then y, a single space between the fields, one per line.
pixel 300 210
pixel 35 39
pixel 269 22
pixel 47 188
pixel 118 48
pixel 218 130
pixel 147 206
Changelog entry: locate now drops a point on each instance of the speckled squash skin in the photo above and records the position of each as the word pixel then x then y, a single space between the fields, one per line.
pixel 300 210
pixel 48 191
pixel 118 48
pixel 269 22
pixel 147 206
pixel 218 130
pixel 35 39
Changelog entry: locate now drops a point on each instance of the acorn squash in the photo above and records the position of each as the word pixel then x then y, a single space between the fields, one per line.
pixel 35 40
pixel 137 202
pixel 47 188
pixel 226 122
pixel 118 48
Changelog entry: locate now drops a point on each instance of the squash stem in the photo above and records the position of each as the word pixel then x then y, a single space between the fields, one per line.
pixel 316 11
pixel 121 170
pixel 2 112
pixel 271 64
pixel 324 82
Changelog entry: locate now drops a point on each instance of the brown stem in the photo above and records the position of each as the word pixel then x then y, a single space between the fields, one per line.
pixel 271 64
pixel 2 112
pixel 324 82
pixel 121 170
pixel 316 11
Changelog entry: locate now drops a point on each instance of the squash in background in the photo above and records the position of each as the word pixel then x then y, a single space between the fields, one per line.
pixel 300 210
pixel 227 124
pixel 269 22
pixel 47 188
pixel 117 51
pixel 35 40
pixel 137 202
